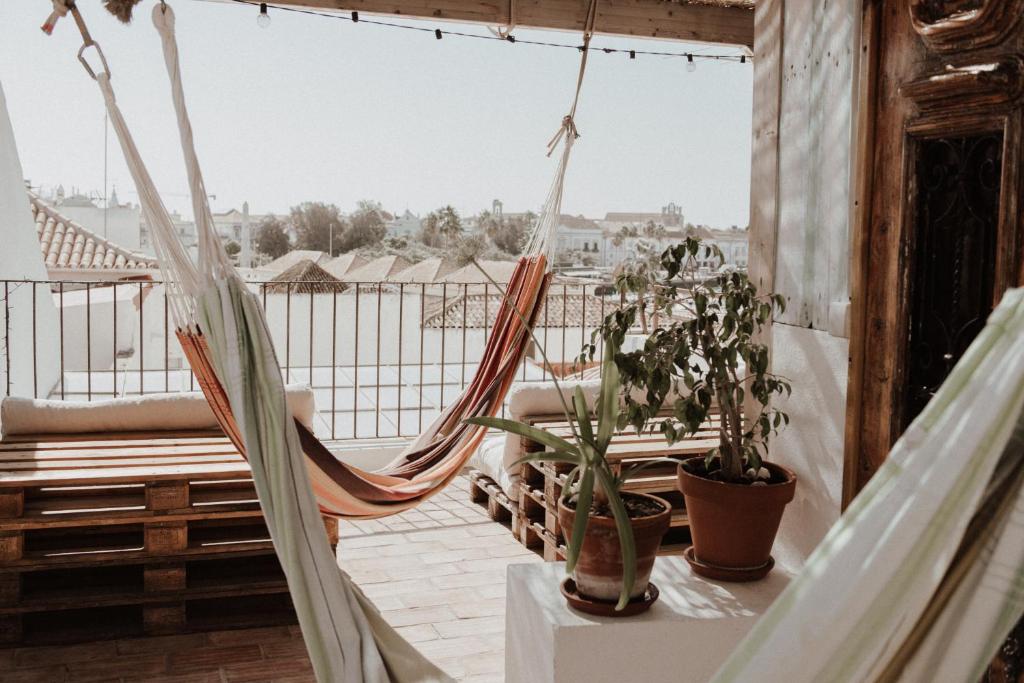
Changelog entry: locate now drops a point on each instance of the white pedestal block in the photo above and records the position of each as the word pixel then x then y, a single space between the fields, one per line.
pixel 683 638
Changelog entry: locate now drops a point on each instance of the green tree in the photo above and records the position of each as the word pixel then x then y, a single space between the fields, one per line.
pixel 654 230
pixel 271 238
pixel 507 234
pixel 232 248
pixel 319 227
pixel 366 226
pixel 441 227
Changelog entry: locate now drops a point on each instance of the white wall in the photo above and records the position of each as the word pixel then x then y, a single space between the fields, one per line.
pixel 813 444
pixel 358 333
pixel 33 366
pixel 122 223
pixel 813 202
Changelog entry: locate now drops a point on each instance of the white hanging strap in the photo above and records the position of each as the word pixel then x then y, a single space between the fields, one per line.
pixel 542 239
pixel 213 259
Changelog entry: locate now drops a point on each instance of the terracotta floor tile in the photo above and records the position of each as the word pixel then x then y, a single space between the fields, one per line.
pixel 40 674
pixel 442 587
pixel 61 654
pixel 476 626
pixel 201 660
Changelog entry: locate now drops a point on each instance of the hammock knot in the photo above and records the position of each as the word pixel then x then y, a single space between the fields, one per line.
pixel 566 130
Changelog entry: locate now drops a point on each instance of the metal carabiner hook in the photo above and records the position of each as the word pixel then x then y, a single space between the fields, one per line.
pixel 85 62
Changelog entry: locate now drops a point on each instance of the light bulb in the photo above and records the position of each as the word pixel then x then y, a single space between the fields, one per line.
pixel 691 65
pixel 263 20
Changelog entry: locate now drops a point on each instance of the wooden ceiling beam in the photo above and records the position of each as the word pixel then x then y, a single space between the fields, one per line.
pixel 663 19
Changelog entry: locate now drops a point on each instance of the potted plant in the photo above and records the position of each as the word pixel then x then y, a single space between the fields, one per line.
pixel 612 535
pixel 705 357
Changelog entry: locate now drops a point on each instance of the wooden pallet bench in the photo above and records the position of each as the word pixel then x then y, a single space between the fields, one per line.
pixel 139 533
pixel 534 515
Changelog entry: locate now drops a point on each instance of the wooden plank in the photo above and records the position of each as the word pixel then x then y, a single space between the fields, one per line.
pixel 44 560
pixel 853 474
pixel 121 474
pixel 107 517
pixel 79 598
pixel 764 169
pixel 141 466
pixel 12 503
pixel 107 439
pixel 642 18
pixel 127 453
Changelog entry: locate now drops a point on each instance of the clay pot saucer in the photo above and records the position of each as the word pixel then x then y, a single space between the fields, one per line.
pixel 601 608
pixel 716 573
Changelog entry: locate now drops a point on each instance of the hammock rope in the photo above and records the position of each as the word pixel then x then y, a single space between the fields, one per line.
pixel 223 333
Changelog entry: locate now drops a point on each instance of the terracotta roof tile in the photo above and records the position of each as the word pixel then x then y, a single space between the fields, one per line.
pixel 571 309
pixel 66 244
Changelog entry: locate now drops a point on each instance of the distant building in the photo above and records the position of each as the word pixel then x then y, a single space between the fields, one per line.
pixel 734 244
pixel 111 220
pixel 578 238
pixel 671 216
pixel 406 225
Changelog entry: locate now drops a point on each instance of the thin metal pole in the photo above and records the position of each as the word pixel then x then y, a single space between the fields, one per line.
pixel 7 332
pixel 544 366
pixel 401 325
pixel 487 313
pixel 88 342
pixel 583 322
pixel 311 336
pixel 288 333
pixel 167 346
pixel 423 299
pixel 61 300
pixel 355 371
pixel 114 387
pixel 142 344
pixel 444 328
pixel 462 369
pixel 565 306
pixel 334 361
pixel 376 429
pixel 35 344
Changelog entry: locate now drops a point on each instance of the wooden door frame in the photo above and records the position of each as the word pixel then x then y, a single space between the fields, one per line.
pixel 990 108
pixel 867 95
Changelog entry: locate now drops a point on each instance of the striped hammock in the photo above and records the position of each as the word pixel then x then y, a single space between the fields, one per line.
pixel 922 577
pixel 224 335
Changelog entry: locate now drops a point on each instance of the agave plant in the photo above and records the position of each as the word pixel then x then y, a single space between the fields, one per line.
pixel 592 478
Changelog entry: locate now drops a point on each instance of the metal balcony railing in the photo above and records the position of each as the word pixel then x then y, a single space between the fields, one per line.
pixel 383 359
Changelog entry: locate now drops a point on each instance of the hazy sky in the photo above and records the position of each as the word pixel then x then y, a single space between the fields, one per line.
pixel 322 109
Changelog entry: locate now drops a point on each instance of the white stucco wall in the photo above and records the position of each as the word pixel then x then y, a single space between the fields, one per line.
pixel 812 446
pixel 812 211
pixel 28 342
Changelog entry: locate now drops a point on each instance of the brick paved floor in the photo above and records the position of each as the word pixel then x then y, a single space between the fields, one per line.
pixel 437 573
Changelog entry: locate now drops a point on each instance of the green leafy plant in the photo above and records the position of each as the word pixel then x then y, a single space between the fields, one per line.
pixel 704 352
pixel 592 478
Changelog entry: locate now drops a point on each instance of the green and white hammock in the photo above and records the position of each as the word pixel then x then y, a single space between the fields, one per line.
pixel 921 579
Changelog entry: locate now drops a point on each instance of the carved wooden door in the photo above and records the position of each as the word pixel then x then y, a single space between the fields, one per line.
pixel 940 237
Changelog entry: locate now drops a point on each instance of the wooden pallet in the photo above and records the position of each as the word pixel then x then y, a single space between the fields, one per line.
pixel 132 534
pixel 541 483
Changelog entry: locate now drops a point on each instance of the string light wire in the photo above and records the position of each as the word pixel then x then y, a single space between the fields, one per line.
pixel 630 52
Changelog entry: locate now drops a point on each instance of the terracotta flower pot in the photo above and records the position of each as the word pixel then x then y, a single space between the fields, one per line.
pixel 733 526
pixel 598 573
